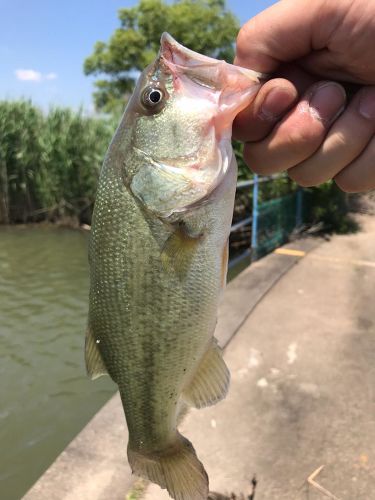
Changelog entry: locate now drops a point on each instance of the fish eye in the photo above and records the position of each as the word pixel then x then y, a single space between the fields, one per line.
pixel 152 97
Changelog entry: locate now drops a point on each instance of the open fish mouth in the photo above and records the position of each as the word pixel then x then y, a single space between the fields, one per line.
pixel 207 71
pixel 231 87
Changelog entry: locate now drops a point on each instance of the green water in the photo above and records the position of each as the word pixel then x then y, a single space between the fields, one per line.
pixel 45 397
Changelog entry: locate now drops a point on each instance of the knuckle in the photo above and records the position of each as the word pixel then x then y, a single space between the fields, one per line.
pixel 340 140
pixel 308 174
pixel 253 160
pixel 242 41
pixel 301 177
pixel 366 103
pixel 304 138
pixel 345 182
pixel 258 168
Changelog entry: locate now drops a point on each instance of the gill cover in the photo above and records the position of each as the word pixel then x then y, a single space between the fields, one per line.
pixel 183 145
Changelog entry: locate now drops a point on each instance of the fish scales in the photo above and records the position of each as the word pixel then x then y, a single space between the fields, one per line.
pixel 158 255
pixel 156 321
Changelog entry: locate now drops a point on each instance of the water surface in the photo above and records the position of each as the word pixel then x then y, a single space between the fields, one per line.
pixel 45 397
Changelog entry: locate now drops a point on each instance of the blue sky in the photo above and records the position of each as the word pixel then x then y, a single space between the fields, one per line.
pixel 43 44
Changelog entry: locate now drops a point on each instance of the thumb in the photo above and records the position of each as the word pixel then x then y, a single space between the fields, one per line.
pixel 287 31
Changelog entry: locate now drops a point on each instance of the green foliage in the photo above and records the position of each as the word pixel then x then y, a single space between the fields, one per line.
pixel 328 206
pixel 49 165
pixel 244 172
pixel 202 25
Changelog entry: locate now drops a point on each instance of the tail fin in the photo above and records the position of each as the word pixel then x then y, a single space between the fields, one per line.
pixel 177 469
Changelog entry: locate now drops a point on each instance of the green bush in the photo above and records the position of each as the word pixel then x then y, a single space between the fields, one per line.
pixel 328 206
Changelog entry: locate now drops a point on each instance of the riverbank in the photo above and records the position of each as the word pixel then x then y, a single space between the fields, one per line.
pixel 64 223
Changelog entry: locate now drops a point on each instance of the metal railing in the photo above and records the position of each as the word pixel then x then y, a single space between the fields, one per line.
pixel 253 219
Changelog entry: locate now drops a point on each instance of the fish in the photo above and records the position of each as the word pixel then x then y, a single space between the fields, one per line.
pixel 158 256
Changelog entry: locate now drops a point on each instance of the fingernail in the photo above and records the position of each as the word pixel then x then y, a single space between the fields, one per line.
pixel 367 104
pixel 327 101
pixel 276 102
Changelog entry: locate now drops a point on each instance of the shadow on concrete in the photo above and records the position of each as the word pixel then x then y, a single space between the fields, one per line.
pixel 233 496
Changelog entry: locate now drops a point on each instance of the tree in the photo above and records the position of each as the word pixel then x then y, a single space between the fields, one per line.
pixel 202 25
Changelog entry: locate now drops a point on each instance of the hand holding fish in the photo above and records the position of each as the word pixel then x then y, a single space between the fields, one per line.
pixel 302 120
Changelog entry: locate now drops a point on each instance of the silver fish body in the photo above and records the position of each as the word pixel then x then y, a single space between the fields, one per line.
pixel 158 256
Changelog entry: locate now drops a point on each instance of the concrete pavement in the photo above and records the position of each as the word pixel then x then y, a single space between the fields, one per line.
pixel 303 384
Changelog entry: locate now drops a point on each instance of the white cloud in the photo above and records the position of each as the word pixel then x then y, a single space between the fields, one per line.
pixel 33 76
pixel 28 75
pixel 51 76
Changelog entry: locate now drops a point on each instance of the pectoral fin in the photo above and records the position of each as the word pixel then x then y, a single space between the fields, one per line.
pixel 94 363
pixel 179 250
pixel 211 380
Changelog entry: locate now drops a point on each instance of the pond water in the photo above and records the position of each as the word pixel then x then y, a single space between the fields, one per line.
pixel 45 396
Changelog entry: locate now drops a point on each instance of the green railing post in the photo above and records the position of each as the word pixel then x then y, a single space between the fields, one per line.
pixel 299 198
pixel 254 223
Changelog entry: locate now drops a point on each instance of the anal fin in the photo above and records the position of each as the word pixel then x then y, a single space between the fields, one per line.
pixel 94 363
pixel 211 380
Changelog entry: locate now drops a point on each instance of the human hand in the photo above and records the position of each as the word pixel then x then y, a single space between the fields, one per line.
pixel 301 120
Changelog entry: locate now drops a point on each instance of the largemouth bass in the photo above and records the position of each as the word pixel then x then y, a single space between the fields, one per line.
pixel 158 256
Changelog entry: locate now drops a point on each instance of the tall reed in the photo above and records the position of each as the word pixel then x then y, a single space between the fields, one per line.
pixel 49 164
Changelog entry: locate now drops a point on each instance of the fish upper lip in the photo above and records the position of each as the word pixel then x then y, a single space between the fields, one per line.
pixel 180 56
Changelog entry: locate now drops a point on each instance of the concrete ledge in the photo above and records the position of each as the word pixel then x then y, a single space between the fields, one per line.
pixel 248 288
pixel 94 465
